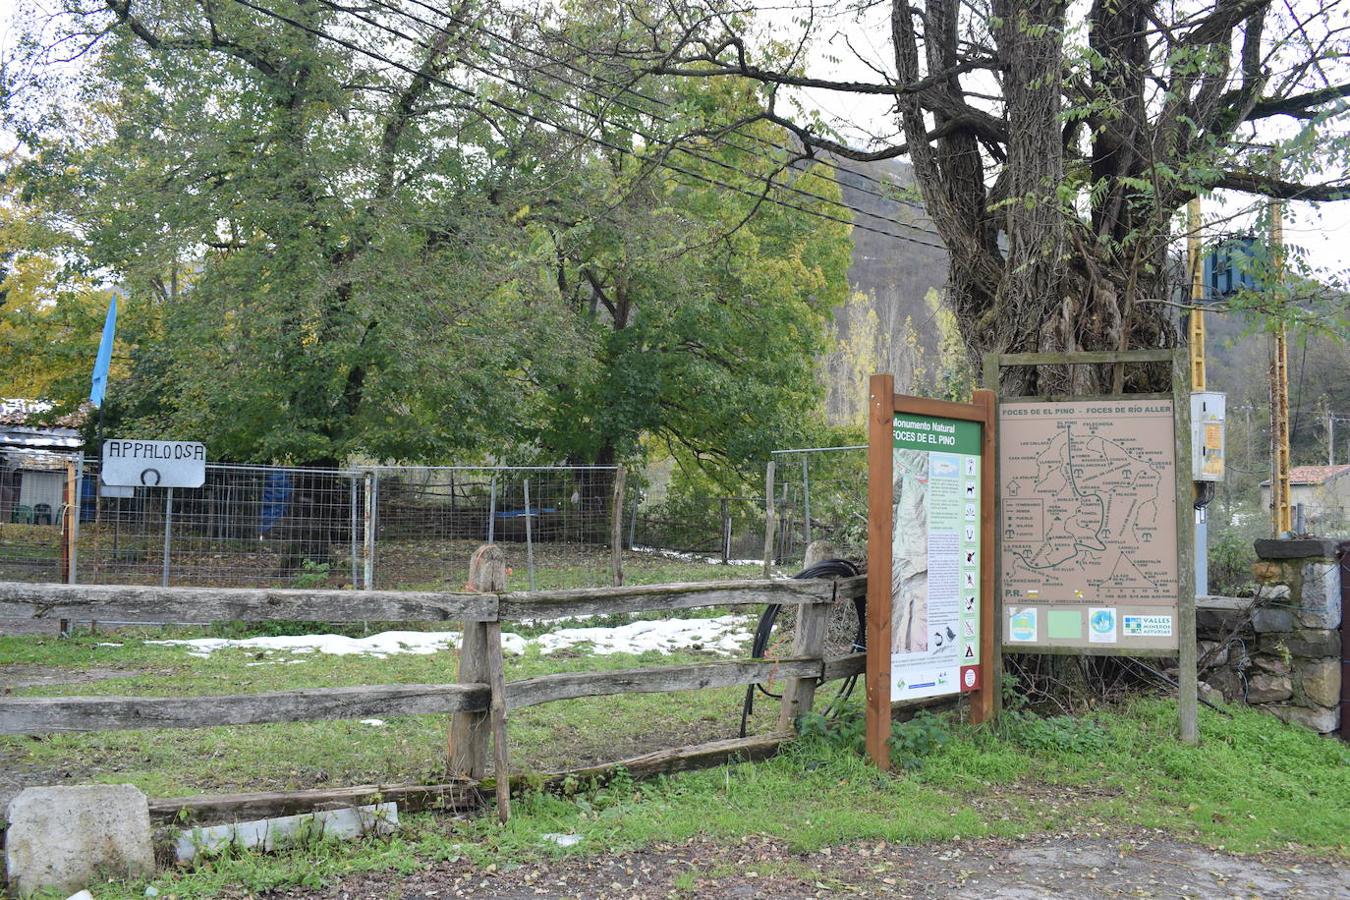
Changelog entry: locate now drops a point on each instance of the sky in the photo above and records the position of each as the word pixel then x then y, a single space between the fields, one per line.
pixel 1322 230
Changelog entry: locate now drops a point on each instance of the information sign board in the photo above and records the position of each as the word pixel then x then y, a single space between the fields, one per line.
pixel 930 626
pixel 935 556
pixel 166 464
pixel 1088 525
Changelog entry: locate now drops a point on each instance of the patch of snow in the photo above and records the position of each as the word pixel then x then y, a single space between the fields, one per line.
pixel 106 644
pixel 563 840
pixel 694 557
pixel 725 634
pixel 373 723
pixel 386 643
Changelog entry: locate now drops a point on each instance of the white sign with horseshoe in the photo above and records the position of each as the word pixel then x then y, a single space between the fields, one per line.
pixel 166 464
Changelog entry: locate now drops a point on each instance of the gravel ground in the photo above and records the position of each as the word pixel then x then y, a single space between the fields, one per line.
pixel 1131 864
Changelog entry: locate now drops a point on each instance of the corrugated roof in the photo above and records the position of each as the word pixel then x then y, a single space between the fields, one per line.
pixel 1312 474
pixel 18 411
pixel 1315 474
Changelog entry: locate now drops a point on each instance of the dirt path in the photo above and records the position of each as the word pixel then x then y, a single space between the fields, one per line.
pixel 1134 864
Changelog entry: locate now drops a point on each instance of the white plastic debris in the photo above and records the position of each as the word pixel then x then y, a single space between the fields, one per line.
pixel 563 840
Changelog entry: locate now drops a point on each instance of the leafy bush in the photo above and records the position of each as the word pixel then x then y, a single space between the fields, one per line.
pixel 1054 733
pixel 910 741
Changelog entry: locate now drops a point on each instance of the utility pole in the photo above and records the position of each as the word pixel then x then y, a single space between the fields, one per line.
pixel 1331 439
pixel 1197 317
pixel 1281 519
pixel 1197 354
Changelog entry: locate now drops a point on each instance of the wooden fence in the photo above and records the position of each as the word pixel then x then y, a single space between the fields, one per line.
pixel 480 700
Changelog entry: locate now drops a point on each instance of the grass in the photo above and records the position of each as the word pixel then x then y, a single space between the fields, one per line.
pixel 1253 784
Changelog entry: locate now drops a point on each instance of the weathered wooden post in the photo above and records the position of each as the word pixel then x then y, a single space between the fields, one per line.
pixel 809 642
pixel 616 529
pixel 480 661
pixel 768 518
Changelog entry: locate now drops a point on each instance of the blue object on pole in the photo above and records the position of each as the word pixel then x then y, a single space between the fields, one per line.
pixel 1228 268
pixel 99 383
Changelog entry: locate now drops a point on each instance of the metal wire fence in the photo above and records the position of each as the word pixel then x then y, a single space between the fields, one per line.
pixel 819 493
pixel 394 527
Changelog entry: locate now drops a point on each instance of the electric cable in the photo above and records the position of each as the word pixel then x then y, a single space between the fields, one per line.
pixel 648 137
pixel 482 29
pixel 562 129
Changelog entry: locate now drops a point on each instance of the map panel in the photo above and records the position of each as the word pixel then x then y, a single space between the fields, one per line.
pixel 1088 518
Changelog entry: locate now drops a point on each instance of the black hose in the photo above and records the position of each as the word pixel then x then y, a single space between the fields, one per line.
pixel 829 568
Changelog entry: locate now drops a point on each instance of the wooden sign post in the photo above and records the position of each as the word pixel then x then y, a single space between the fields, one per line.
pixel 930 562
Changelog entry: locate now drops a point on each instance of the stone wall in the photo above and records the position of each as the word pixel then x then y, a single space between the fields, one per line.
pixel 1280 650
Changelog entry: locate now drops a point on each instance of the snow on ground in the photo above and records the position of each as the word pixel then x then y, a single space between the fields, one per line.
pixel 725 635
pixel 695 557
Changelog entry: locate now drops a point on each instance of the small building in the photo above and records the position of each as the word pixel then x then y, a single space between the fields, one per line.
pixel 34 455
pixel 1323 491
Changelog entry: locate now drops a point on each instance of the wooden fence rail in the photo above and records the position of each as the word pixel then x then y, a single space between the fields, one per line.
pixel 201 606
pixel 479 702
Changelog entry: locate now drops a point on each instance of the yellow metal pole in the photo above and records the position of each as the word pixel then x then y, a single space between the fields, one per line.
pixel 1281 514
pixel 1197 317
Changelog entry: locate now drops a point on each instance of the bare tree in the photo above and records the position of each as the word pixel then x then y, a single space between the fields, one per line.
pixel 1054 143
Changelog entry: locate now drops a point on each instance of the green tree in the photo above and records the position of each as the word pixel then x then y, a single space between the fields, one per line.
pixel 426 242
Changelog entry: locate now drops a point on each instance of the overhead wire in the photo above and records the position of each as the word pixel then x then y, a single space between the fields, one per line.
pixel 657 100
pixel 646 136
pixel 560 128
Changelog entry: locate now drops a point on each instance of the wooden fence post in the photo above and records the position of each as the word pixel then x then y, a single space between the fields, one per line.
pixel 616 529
pixel 809 642
pixel 768 519
pixel 468 739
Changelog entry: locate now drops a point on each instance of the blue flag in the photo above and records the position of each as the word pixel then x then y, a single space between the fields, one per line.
pixel 101 363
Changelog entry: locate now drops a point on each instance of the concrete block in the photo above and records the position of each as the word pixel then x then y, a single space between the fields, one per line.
pixel 1304 548
pixel 66 838
pixel 1319 719
pixel 1266 571
pixel 1318 681
pixel 1311 643
pixel 1273 665
pixel 1212 654
pixel 1320 597
pixel 1262 688
pixel 269 834
pixel 1273 618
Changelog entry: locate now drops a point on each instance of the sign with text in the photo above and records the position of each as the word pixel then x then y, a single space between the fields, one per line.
pixel 935 555
pixel 930 626
pixel 1088 524
pixel 167 464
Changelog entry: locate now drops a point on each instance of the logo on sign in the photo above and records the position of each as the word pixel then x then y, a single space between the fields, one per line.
pixel 1147 626
pixel 1022 624
pixel 1102 626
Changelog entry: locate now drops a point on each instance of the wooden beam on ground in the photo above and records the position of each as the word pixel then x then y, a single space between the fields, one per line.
pixel 216 809
pixel 179 605
pixel 680 759
pixel 43 715
pixel 572 685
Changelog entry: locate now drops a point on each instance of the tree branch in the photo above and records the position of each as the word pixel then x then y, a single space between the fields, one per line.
pixel 1279 189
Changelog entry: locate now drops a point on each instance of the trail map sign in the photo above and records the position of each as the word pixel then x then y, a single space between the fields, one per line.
pixel 1088 524
pixel 930 508
pixel 166 464
pixel 1095 521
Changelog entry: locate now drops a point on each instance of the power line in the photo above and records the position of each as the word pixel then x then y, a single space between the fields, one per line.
pixel 657 100
pixel 505 107
pixel 651 138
